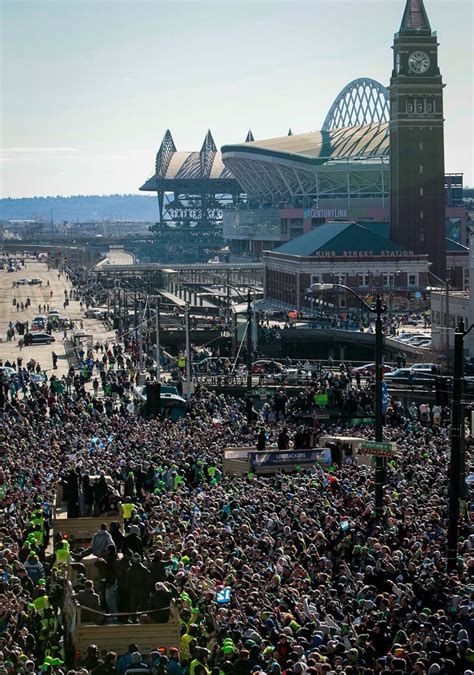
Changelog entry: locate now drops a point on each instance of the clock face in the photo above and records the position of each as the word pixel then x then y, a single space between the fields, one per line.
pixel 418 62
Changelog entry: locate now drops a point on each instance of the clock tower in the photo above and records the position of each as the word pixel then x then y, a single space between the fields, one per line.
pixel 417 202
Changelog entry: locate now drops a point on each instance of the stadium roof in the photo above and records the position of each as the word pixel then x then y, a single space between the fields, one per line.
pixel 174 169
pixel 338 237
pixel 317 147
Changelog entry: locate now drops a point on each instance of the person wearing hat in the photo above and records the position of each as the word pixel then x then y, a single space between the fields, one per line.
pixel 34 568
pixel 159 602
pixel 92 660
pixel 133 541
pixel 198 665
pixel 188 643
pixel 174 665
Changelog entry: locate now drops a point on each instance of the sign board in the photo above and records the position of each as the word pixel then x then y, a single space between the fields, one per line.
pixel 236 453
pixel 377 449
pixel 321 400
pixel 358 421
pixel 286 458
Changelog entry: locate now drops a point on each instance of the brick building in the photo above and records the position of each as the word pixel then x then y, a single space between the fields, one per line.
pixel 346 253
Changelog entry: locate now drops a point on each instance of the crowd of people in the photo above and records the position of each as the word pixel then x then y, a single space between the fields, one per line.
pixel 290 574
pixel 315 583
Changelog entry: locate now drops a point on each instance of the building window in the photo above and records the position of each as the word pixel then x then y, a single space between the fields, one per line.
pixel 363 280
pixel 342 302
pixel 421 168
pixel 340 279
pixel 316 278
pixel 388 280
pixel 466 279
pixel 410 106
pixel 422 235
pixel 421 192
pixel 421 145
pixel 419 106
pixel 422 215
pixel 413 281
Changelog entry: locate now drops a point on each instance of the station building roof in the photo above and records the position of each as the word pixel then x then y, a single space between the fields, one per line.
pixel 338 237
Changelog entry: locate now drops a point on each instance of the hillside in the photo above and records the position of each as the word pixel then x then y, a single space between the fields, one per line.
pixel 81 208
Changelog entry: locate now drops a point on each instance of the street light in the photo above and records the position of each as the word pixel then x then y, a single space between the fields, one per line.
pixel 378 310
pixel 444 286
pixel 457 465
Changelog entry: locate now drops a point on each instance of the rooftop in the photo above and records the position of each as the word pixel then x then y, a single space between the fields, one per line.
pixel 338 237
pixel 367 141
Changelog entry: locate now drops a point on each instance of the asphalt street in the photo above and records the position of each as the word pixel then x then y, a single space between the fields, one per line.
pixel 40 295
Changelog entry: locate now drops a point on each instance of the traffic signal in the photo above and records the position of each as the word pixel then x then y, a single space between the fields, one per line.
pixel 441 391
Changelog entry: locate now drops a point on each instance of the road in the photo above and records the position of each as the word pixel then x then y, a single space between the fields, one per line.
pixel 52 295
pixel 117 257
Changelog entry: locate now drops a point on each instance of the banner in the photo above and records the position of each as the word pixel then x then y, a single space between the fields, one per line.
pixel 321 400
pixel 291 458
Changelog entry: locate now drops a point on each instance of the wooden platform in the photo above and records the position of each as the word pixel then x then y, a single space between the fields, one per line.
pixel 81 528
pixel 117 637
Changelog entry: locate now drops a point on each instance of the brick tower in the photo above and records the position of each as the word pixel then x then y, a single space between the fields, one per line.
pixel 417 201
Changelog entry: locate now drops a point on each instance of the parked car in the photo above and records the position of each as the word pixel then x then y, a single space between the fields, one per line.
pixel 93 313
pixel 409 376
pixel 265 367
pixel 369 369
pixel 39 339
pixel 407 337
pixel 425 344
pixel 213 365
pixel 36 282
pixel 275 369
pixel 426 368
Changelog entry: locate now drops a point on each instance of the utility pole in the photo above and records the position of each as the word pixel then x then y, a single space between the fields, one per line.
pixel 446 323
pixel 379 461
pixel 378 310
pixel 157 330
pixel 139 338
pixel 249 340
pixel 188 352
pixel 227 292
pixel 457 466
pixel 457 437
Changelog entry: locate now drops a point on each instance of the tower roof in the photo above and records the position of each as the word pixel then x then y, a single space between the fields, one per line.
pixel 415 17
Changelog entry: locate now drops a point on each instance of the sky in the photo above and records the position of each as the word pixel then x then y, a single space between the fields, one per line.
pixel 88 88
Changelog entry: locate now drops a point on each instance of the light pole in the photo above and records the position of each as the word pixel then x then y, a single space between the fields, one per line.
pixel 457 465
pixel 157 330
pixel 445 286
pixel 378 310
pixel 188 352
pixel 249 341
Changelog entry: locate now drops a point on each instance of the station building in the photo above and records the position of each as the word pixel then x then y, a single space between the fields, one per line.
pixel 345 253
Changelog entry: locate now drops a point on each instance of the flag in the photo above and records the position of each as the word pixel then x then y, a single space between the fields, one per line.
pixel 385 399
pixel 223 596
